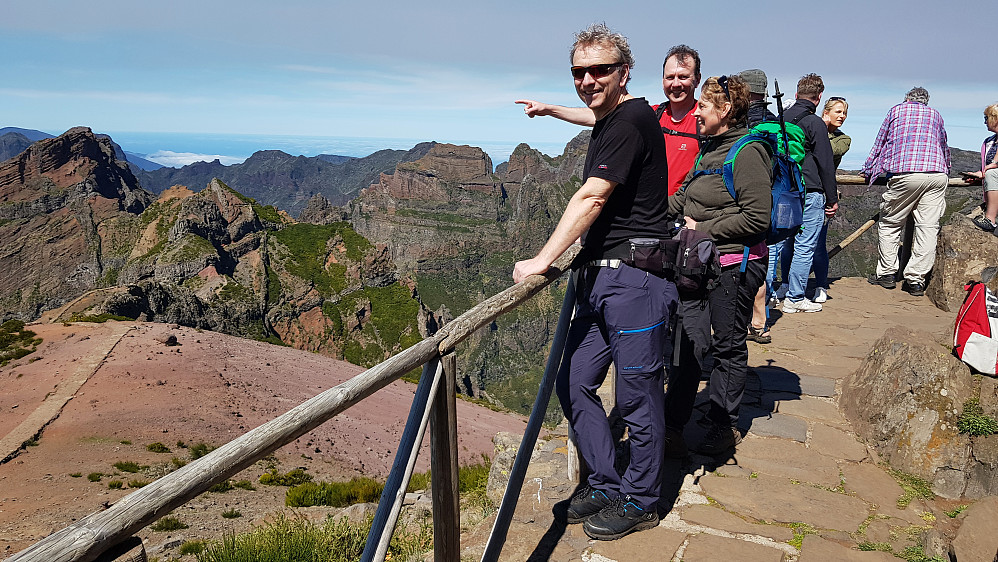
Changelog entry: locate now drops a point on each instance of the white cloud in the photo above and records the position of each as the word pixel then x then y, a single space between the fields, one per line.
pixel 178 159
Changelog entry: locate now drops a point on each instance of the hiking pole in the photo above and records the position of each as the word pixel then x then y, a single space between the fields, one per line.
pixel 852 237
pixel 779 111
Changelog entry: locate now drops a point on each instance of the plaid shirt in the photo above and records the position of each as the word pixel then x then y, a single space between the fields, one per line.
pixel 911 139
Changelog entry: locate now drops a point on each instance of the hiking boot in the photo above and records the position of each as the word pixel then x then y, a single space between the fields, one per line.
pixel 675 445
pixel 719 439
pixel 820 295
pixel 803 305
pixel 885 281
pixel 620 518
pixel 913 288
pixel 984 223
pixel 586 503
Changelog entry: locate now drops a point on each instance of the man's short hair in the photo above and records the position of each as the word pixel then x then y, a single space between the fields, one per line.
pixel 684 54
pixel 991 114
pixel 600 34
pixel 810 86
pixel 918 94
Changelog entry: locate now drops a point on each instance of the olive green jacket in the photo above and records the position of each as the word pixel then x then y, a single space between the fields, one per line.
pixel 732 223
pixel 840 145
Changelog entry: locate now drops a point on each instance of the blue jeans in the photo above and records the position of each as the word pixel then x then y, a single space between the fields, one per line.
pixel 804 244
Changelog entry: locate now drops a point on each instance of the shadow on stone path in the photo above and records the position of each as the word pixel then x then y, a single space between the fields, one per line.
pixel 801 486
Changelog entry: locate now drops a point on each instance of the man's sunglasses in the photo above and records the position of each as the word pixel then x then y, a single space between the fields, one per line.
pixel 597 71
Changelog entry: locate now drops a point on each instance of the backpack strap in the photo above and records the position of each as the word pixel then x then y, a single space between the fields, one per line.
pixel 728 171
pixel 660 110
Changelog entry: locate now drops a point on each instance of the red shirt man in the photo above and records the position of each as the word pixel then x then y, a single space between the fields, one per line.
pixel 680 78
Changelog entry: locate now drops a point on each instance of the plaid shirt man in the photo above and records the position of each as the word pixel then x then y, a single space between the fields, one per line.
pixel 911 139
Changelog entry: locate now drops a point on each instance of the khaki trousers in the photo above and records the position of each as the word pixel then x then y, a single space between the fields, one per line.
pixel 923 196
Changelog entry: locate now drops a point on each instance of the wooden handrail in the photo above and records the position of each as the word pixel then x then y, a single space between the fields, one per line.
pixel 86 539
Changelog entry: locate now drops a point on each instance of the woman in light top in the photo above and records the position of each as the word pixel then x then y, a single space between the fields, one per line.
pixel 989 171
pixel 835 113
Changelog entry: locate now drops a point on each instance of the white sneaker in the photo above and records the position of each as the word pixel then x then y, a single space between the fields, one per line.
pixel 820 295
pixel 803 305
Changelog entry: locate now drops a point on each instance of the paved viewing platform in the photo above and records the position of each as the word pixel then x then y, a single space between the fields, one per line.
pixel 800 487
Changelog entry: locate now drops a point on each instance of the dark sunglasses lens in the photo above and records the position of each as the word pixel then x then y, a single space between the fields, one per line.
pixel 597 71
pixel 837 98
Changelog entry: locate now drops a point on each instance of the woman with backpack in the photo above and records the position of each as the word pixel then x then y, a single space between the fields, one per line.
pixel 834 115
pixel 738 226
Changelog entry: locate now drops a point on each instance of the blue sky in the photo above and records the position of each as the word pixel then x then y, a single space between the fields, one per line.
pixel 449 71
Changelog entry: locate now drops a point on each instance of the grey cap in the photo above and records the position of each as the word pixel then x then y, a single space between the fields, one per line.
pixel 756 80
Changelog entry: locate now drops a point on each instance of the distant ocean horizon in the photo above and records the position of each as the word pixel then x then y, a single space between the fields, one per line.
pixel 179 149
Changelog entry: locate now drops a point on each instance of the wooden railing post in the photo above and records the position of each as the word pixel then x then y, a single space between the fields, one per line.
pixel 443 466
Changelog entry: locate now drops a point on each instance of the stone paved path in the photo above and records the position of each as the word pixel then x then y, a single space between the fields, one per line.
pixel 801 487
pixel 64 391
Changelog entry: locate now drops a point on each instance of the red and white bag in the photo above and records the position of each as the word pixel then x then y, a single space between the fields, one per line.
pixel 975 337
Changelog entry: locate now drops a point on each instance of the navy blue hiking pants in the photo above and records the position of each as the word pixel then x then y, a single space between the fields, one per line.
pixel 622 316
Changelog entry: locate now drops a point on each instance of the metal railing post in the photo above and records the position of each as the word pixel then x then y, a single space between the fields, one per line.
pixel 505 515
pixel 385 518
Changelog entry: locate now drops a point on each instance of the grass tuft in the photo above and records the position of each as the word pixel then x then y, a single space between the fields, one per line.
pixel 116 484
pixel 158 447
pixel 292 478
pixel 128 466
pixel 300 540
pixel 973 421
pixel 231 514
pixel 168 523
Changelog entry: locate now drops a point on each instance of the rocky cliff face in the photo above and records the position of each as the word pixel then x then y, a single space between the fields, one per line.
pixel 78 234
pixel 62 203
pixel 457 227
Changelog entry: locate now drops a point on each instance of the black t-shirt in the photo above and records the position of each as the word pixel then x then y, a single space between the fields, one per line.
pixel 627 147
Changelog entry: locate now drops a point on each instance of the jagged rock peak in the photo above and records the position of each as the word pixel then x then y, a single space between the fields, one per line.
pixel 451 162
pixel 319 210
pixel 77 159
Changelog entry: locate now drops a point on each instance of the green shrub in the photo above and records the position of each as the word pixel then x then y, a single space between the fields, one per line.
pixel 94 476
pixel 292 478
pixel 973 421
pixel 178 462
pixel 244 484
pixel 192 547
pixel 300 540
pixel 16 342
pixel 231 514
pixel 137 483
pixel 334 494
pixel 168 523
pixel 128 466
pixel 98 318
pixel 200 450
pixel 115 484
pixel 125 442
pixel 158 447
pixel 221 487
pixel 76 475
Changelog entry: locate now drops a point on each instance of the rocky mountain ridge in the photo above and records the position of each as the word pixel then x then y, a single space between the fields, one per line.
pixel 285 181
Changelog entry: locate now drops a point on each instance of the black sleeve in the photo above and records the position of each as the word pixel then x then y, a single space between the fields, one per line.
pixel 616 154
pixel 825 160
